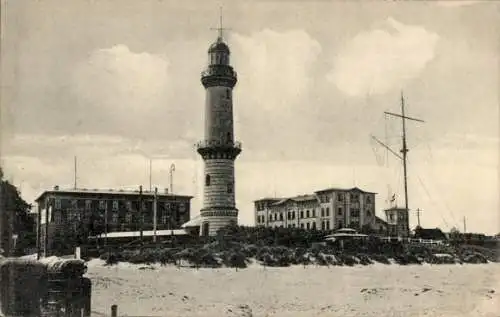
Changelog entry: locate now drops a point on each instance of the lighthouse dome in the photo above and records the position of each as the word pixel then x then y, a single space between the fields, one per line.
pixel 219 46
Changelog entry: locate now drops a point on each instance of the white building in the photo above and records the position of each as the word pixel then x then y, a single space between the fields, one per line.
pixel 326 209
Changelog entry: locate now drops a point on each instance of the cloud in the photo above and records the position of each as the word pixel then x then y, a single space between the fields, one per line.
pixel 380 60
pixel 275 66
pixel 276 71
pixel 118 79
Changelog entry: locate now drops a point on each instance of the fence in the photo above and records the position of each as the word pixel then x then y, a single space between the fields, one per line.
pixel 413 240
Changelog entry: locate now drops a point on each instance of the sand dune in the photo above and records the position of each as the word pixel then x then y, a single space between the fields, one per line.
pixel 375 290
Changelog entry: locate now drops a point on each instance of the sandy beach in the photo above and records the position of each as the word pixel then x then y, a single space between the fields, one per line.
pixel 375 290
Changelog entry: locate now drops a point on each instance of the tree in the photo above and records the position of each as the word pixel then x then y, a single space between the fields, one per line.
pixel 16 211
pixel 455 234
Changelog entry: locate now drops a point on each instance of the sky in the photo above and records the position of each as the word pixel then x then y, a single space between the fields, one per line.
pixel 116 83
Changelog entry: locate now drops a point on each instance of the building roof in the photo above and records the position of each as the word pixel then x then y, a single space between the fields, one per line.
pixel 145 233
pixel 336 189
pixel 378 219
pixel 85 191
pixel 268 199
pixel 395 209
pixel 304 198
pixel 431 234
pixel 297 199
pixel 194 222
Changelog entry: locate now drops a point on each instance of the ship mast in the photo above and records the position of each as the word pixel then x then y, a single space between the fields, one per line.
pixel 404 150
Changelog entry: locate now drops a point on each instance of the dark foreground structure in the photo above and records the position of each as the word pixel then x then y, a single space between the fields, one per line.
pixel 56 288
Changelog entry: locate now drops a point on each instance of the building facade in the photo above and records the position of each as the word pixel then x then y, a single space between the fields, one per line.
pixel 398 222
pixel 61 211
pixel 327 209
pixel 218 148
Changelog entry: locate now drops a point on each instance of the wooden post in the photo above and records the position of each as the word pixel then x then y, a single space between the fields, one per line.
pixel 114 310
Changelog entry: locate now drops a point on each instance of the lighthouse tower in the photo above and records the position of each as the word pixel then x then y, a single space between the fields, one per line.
pixel 218 148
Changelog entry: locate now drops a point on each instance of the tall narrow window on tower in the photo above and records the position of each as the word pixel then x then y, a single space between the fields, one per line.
pixel 230 188
pixel 207 180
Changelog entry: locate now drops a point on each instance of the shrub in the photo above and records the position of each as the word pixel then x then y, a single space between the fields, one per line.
pixel 364 259
pixel 111 258
pixel 204 258
pixel 475 258
pixel 407 258
pixel 347 259
pixel 235 259
pixel 380 258
pixel 166 256
pixel 320 259
pixel 441 259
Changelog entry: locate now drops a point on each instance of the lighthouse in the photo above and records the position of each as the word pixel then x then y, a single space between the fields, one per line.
pixel 218 148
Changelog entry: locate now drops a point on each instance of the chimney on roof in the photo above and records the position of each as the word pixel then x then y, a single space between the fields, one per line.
pixel 166 190
pixel 56 187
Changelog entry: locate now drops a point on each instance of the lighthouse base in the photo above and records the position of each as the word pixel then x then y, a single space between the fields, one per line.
pixel 214 220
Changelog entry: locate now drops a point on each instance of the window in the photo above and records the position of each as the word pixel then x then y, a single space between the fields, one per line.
pixel 128 217
pixel 307 214
pixel 102 204
pixel 355 213
pixel 281 216
pixel 57 203
pixel 129 205
pixel 308 226
pixel 339 211
pixel 164 218
pixel 355 197
pixel 322 212
pixel 230 188
pixel 114 218
pixel 301 214
pixel 314 226
pixel 229 137
pixel 327 211
pixel 327 225
pixel 74 203
pixel 323 225
pixel 88 204
pixel 302 225
pixel 57 217
pixel 207 180
pixel 115 205
pixel 368 199
pixel 314 213
pixel 340 197
pixel 228 93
